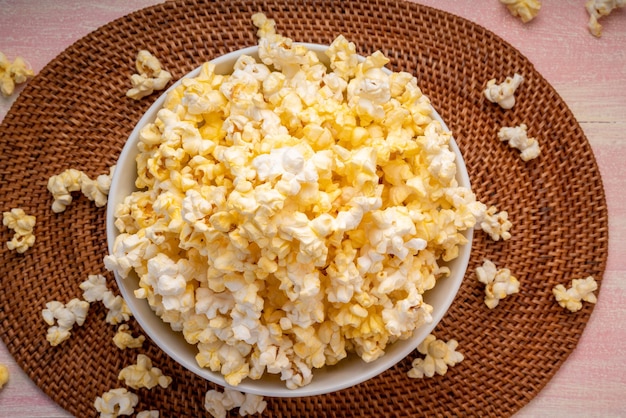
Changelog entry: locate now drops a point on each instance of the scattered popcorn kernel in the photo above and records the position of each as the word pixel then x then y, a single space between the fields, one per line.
pixel 148 414
pixel 290 213
pixel 150 76
pixel 62 317
pixel 579 291
pixel 4 375
pixel 13 73
pixel 527 10
pixel 598 9
pixel 118 309
pixel 94 288
pixel 496 224
pixel 518 138
pixel 143 375
pixel 503 94
pixel 123 338
pixel 116 402
pixel 22 225
pixel 499 283
pixel 439 355
pixel 71 180
pixel 219 403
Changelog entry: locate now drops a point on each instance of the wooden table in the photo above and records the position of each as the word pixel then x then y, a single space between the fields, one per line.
pixel 589 74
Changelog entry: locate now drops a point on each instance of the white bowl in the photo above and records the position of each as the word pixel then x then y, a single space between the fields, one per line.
pixel 349 371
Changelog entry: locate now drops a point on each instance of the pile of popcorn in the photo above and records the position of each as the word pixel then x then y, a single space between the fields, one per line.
pixel 290 213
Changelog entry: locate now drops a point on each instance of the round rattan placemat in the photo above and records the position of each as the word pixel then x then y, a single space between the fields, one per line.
pixel 74 114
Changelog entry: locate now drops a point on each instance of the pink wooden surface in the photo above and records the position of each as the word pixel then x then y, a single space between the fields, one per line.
pixel 589 74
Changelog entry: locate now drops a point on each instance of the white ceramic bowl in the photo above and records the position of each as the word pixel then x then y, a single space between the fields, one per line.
pixel 349 371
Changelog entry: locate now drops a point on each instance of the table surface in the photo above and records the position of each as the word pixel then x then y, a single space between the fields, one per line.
pixel 590 75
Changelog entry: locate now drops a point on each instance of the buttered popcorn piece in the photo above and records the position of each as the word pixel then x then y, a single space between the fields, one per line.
pixel 148 414
pixel 517 137
pixel 71 180
pixel 289 213
pixel 13 73
pixel 499 283
pixel 124 339
pixel 439 355
pixel 4 375
pixel 116 402
pixel 598 9
pixel 496 224
pixel 95 289
pixel 504 93
pixel 526 10
pixel 219 403
pixel 144 375
pixel 62 317
pixel 581 290
pixel 22 225
pixel 150 76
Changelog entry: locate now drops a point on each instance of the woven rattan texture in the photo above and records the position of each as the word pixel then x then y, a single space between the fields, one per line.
pixel 74 114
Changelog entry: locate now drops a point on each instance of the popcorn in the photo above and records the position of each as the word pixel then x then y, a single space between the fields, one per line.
pixel 118 310
pixel 503 94
pixel 4 375
pixel 71 180
pixel 116 402
pixel 579 291
pixel 62 317
pixel 95 289
pixel 496 224
pixel 12 73
pixel 527 10
pixel 499 283
pixel 289 213
pixel 517 138
pixel 150 76
pixel 148 414
pixel 22 225
pixel 143 375
pixel 123 338
pixel 598 9
pixel 219 403
pixel 439 355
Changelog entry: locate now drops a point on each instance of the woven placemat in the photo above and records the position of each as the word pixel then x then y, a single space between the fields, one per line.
pixel 74 114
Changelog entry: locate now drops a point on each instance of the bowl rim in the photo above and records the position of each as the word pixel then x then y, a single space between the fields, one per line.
pixel 257 387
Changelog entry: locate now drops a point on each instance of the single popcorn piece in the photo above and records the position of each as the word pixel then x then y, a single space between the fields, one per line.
pixel 527 10
pixel 504 93
pixel 4 375
pixel 291 213
pixel 118 310
pixel 62 317
pixel 13 73
pixel 439 355
pixel 116 402
pixel 499 283
pixel 598 9
pixel 71 180
pixel 143 375
pixel 150 76
pixel 219 403
pixel 94 288
pixel 517 137
pixel 579 291
pixel 22 224
pixel 496 224
pixel 148 414
pixel 124 339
